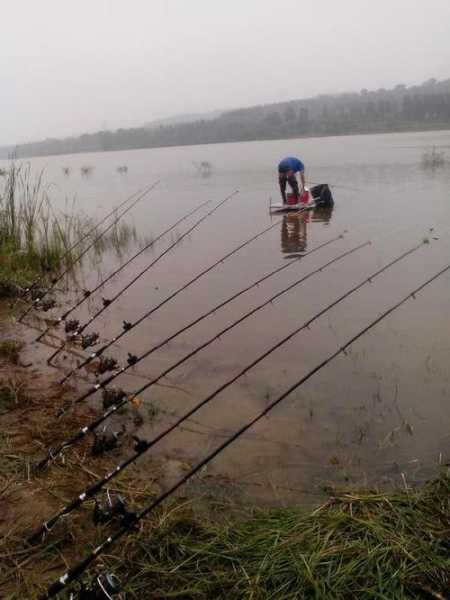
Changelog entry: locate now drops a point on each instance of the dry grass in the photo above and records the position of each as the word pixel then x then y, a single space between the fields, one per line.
pixel 27 498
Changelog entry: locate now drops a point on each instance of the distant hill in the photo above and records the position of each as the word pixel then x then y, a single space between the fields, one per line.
pixel 187 118
pixel 402 108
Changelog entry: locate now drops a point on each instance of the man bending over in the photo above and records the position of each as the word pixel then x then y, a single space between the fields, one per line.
pixel 287 173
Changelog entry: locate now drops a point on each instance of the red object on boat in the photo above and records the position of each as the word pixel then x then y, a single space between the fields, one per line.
pixel 304 198
pixel 291 199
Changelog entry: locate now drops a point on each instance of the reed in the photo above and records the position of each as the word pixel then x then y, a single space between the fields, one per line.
pixel 86 170
pixel 432 158
pixel 34 239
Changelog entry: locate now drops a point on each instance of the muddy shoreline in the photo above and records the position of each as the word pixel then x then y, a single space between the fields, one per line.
pixel 30 397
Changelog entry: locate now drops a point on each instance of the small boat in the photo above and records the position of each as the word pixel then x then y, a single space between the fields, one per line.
pixel 297 207
pixel 317 196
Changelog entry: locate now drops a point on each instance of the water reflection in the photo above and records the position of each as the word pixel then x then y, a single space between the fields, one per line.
pixel 293 233
pixel 294 228
pixel 322 215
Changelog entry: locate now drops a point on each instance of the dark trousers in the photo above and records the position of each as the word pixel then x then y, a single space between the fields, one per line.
pixel 289 177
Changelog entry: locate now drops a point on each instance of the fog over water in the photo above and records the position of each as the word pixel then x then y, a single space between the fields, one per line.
pixel 68 68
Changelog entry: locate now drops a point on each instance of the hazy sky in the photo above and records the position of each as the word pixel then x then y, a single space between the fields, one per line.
pixel 70 67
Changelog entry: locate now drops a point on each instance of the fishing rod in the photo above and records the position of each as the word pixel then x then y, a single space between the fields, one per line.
pixel 116 404
pixel 107 302
pixel 82 238
pixel 133 360
pixel 88 293
pixel 127 327
pixel 88 247
pixel 142 446
pixel 130 523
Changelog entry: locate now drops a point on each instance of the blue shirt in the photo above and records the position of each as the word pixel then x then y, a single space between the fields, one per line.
pixel 291 164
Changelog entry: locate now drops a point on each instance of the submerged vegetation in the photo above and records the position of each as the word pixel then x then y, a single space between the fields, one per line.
pixel 203 168
pixel 432 158
pixel 86 170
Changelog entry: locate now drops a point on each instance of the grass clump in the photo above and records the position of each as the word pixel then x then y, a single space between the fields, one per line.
pixel 432 158
pixel 357 547
pixel 10 350
pixel 86 170
pixel 32 238
pixel 7 398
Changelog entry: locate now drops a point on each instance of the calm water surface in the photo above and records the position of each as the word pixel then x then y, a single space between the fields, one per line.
pixel 379 415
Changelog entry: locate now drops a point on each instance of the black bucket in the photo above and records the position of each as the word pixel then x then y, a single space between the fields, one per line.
pixel 322 195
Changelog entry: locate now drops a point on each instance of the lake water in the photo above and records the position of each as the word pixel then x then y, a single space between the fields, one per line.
pixel 377 416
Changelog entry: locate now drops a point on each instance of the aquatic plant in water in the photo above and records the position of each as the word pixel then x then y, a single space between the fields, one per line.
pixel 86 170
pixel 204 168
pixel 34 238
pixel 432 158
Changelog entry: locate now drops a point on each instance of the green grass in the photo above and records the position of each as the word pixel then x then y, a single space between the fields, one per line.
pixel 10 350
pixel 32 238
pixel 7 398
pixel 366 546
pixel 35 240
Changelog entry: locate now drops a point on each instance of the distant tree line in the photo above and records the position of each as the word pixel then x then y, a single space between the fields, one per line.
pixel 425 106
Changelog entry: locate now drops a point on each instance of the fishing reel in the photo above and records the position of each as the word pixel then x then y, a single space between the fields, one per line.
pixel 46 305
pixel 106 441
pixel 126 325
pixel 106 364
pixel 140 445
pixel 90 339
pixel 114 508
pixel 71 325
pixel 104 587
pixel 112 396
pixel 37 293
pixel 132 359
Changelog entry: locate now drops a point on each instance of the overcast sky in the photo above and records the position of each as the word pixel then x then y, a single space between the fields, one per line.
pixel 70 67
